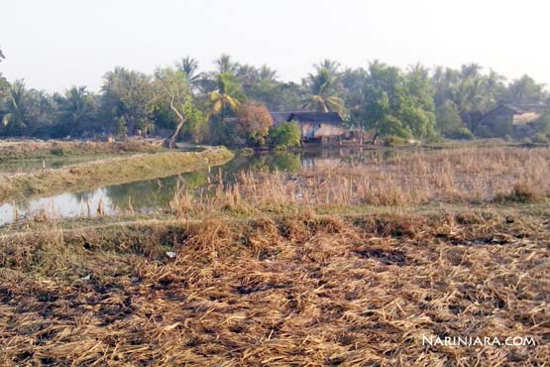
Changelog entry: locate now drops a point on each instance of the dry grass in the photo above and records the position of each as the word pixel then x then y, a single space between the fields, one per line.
pixel 45 149
pixel 295 291
pixel 454 176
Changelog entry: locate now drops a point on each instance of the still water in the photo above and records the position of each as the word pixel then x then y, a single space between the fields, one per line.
pixel 155 195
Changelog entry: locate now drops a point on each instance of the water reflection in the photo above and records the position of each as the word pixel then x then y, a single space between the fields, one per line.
pixel 148 196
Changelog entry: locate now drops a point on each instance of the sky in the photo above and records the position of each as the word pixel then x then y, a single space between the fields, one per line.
pixel 57 44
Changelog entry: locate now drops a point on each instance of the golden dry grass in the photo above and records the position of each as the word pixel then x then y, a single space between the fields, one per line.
pixel 467 175
pixel 293 291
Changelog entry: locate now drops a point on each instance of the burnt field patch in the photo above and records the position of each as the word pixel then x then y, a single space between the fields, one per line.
pixel 299 290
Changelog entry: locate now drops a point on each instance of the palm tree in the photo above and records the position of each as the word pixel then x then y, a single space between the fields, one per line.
pixel 76 109
pixel 228 95
pixel 267 74
pixel 14 113
pixel 189 66
pixel 330 65
pixel 322 97
pixel 226 65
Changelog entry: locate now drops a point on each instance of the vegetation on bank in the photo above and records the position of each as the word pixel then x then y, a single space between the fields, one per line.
pixel 229 105
pixel 108 172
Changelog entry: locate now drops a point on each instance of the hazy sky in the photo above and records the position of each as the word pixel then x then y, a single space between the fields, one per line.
pixel 55 44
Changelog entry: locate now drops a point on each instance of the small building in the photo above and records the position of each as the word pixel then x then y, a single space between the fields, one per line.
pixel 519 119
pixel 313 125
pixel 517 115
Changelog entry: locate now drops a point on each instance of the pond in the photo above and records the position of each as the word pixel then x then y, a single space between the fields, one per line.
pixel 155 195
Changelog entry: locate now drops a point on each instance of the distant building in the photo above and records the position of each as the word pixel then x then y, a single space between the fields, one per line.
pixel 516 114
pixel 313 125
pixel 518 120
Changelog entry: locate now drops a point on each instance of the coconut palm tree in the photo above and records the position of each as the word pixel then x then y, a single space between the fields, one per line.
pixel 190 66
pixel 322 95
pixel 76 110
pixel 14 113
pixel 226 65
pixel 228 95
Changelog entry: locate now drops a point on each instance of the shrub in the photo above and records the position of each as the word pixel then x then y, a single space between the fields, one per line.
pixel 393 141
pixel 286 135
pixel 254 122
pixel 58 151
pixel 462 133
pixel 540 138
pixel 521 193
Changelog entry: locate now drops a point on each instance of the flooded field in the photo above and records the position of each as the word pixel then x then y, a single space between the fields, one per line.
pixel 153 195
pixel 320 177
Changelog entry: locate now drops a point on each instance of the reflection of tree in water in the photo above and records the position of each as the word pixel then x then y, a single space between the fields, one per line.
pixel 155 193
pixel 84 196
pixel 282 161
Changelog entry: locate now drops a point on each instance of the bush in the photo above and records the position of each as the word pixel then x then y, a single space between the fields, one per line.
pixel 245 152
pixel 393 141
pixel 462 133
pixel 540 138
pixel 254 122
pixel 58 151
pixel 285 135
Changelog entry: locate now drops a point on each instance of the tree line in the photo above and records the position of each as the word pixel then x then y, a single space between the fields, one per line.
pixel 230 104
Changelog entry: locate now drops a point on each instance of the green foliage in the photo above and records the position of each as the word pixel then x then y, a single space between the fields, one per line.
pixel 77 112
pixel 462 133
pixel 127 94
pixel 198 106
pixel 121 128
pixel 525 91
pixel 450 124
pixel 393 141
pixel 323 89
pixel 543 125
pixel 540 139
pixel 285 135
pixel 397 104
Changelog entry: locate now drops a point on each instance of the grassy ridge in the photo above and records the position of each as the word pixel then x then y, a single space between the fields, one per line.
pixel 108 172
pixel 54 149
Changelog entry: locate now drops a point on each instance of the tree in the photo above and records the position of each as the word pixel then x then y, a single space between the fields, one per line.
pixel 172 87
pixel 285 135
pixel 3 82
pixel 391 102
pixel 449 123
pixel 525 91
pixel 76 112
pixel 322 97
pixel 472 93
pixel 128 94
pixel 26 111
pixel 225 65
pixel 254 121
pixel 227 96
pixel 189 66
